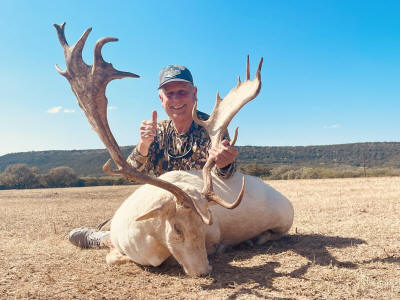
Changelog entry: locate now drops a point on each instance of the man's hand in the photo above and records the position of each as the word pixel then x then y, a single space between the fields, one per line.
pixel 223 155
pixel 148 130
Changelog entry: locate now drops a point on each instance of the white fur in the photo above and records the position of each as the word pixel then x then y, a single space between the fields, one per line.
pixel 153 240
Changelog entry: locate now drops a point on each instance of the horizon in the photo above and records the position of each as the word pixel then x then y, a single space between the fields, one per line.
pixel 330 75
pixel 270 146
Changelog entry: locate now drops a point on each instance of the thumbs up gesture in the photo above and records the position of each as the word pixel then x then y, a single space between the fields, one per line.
pixel 148 130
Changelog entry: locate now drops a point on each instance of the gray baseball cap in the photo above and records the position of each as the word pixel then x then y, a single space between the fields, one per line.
pixel 174 73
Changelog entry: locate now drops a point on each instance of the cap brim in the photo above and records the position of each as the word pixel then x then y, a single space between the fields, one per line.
pixel 174 79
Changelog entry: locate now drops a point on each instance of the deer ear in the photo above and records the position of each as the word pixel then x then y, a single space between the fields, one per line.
pixel 160 210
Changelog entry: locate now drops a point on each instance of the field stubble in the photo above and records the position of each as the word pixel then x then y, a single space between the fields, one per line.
pixel 344 244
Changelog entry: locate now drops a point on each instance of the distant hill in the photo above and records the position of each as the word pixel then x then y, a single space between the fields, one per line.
pixel 83 162
pixel 90 162
pixel 384 154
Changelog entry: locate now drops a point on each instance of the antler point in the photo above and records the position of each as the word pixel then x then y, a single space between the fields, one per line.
pixel 248 68
pixel 218 97
pixel 258 74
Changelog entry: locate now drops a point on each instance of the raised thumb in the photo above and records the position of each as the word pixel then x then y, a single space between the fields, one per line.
pixel 154 117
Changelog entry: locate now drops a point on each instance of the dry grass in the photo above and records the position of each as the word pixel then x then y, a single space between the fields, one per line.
pixel 344 244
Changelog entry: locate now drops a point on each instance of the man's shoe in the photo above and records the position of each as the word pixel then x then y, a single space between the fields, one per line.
pixel 85 237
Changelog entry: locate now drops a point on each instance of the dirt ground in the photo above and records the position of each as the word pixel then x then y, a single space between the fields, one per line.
pixel 344 244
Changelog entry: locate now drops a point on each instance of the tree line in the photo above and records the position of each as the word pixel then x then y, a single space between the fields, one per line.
pixel 287 172
pixel 21 176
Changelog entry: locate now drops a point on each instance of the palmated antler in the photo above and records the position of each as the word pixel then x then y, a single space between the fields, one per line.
pixel 222 114
pixel 89 86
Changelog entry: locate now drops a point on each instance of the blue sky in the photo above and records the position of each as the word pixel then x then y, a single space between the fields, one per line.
pixel 331 71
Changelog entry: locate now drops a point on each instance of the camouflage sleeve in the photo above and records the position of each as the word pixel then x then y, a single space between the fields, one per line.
pixel 136 160
pixel 152 163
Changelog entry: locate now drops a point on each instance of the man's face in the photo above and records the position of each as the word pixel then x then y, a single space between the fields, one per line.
pixel 177 99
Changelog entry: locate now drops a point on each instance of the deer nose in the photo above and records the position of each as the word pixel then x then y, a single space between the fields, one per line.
pixel 207 272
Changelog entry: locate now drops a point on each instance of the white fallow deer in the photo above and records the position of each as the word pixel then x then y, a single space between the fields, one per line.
pixel 173 215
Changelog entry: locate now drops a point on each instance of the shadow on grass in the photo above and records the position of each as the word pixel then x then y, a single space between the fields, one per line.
pixel 389 259
pixel 313 247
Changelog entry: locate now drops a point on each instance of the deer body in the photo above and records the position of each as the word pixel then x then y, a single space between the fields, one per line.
pixel 151 241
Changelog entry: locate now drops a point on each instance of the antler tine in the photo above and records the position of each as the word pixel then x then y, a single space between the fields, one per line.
pixel 248 69
pixel 99 61
pixel 64 44
pixel 258 73
pixel 107 169
pixel 209 194
pixel 120 74
pixel 98 57
pixel 233 141
pixel 61 34
pixel 63 73
pixel 78 47
pixel 195 116
pixel 218 97
pixel 214 197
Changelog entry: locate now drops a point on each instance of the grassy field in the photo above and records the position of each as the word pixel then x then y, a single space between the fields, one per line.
pixel 344 244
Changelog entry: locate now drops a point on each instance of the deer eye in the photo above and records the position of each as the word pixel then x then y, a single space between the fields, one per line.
pixel 178 230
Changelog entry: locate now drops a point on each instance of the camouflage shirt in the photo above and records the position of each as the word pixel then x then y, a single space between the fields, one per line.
pixel 172 151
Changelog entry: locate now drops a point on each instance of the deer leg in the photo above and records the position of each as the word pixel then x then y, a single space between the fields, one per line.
pixel 114 257
pixel 266 236
pixel 218 249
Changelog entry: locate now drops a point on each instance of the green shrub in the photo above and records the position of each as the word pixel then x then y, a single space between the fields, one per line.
pixel 19 176
pixel 61 177
pixel 255 170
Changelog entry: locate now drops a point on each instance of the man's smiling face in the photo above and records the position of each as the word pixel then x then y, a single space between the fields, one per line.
pixel 177 99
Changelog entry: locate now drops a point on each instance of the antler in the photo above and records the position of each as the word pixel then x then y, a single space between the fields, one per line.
pixel 89 85
pixel 222 114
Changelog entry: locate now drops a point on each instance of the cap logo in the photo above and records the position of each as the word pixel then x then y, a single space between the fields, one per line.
pixel 172 72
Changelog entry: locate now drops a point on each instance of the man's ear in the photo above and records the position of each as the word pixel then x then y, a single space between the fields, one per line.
pixel 163 209
pixel 195 93
pixel 160 94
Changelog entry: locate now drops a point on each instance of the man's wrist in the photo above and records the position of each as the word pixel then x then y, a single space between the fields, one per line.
pixel 142 148
pixel 226 171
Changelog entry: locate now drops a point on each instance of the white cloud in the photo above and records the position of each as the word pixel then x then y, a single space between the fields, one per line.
pixel 334 126
pixel 112 108
pixel 54 110
pixel 58 109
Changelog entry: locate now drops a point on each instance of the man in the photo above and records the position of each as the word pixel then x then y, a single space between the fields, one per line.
pixel 177 143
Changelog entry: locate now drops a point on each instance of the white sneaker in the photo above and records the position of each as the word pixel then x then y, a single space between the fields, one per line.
pixel 86 237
